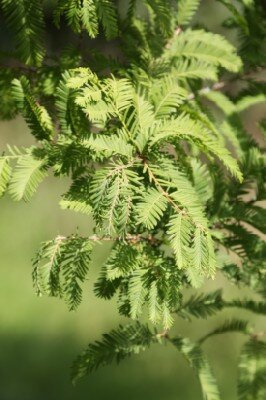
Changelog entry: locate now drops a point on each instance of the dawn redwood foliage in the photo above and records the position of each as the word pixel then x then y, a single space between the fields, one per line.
pixel 142 108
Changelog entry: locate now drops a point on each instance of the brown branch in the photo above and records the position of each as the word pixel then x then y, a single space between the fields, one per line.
pixel 128 237
pixel 164 334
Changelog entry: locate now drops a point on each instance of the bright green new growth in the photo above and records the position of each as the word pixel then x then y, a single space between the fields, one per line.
pixel 159 157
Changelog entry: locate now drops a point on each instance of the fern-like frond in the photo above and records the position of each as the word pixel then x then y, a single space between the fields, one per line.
pixel 5 173
pixel 114 346
pixel 155 309
pixel 76 78
pixel 73 14
pixel 91 100
pixel 194 277
pixel 184 193
pixel 122 261
pixel 60 266
pixel 258 307
pixel 75 263
pixel 140 121
pixel 27 175
pixel 160 13
pixel 104 287
pixel 200 250
pixel 26 19
pixel 186 11
pixel 181 125
pixel 137 293
pixel 224 155
pixel 252 371
pixel 107 15
pixel 231 134
pixel 75 205
pixel 63 104
pixel 151 208
pixel 36 116
pixel 185 127
pixel 149 145
pixel 112 191
pixel 120 92
pixel 131 9
pixel 201 180
pixel 72 11
pixel 233 325
pixel 89 17
pixel 184 68
pixel 8 104
pixel 202 305
pixel 207 47
pixel 166 96
pixel 109 144
pixel 194 355
pixel 179 235
pixel 205 305
pixel 167 318
pixel 46 267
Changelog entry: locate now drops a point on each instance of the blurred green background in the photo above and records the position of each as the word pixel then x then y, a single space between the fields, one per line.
pixel 39 338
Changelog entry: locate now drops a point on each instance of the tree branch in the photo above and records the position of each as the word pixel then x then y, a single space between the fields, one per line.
pixel 128 237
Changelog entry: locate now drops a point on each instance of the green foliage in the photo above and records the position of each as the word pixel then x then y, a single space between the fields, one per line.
pixel 28 173
pixel 60 266
pixel 26 20
pixel 8 104
pixel 206 47
pixel 87 15
pixel 116 345
pixel 234 325
pixel 35 115
pixel 202 305
pixel 151 135
pixel 4 174
pixel 197 360
pixel 186 10
pixel 252 368
pixel 151 209
pixel 26 177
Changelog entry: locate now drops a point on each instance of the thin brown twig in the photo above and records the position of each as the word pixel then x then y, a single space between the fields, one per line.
pixel 128 237
pixel 164 334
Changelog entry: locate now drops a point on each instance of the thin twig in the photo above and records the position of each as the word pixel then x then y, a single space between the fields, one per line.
pixel 207 89
pixel 163 334
pixel 128 237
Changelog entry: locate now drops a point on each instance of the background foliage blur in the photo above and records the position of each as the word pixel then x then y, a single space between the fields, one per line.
pixel 39 338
